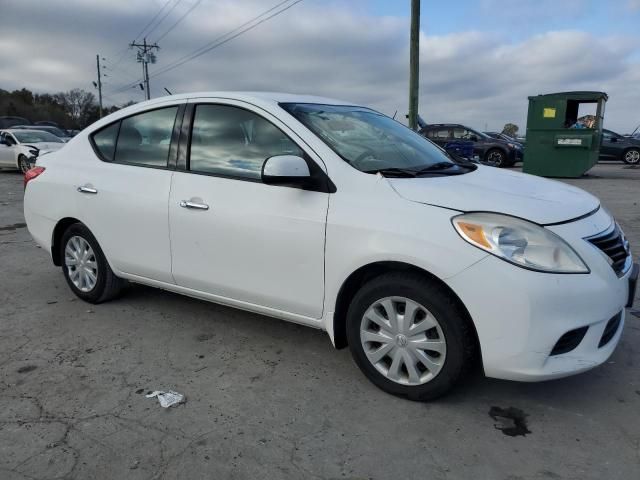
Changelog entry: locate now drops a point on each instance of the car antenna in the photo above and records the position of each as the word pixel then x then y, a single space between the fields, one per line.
pixel 396 112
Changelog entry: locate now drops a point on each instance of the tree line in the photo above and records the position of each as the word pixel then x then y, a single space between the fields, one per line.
pixel 74 109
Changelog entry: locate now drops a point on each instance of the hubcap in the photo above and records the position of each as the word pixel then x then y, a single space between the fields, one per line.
pixel 24 165
pixel 403 340
pixel 494 159
pixel 632 156
pixel 81 264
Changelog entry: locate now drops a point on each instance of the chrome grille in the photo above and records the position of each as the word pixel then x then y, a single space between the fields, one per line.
pixel 615 246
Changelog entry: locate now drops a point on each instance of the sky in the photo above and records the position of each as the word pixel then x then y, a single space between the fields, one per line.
pixel 479 60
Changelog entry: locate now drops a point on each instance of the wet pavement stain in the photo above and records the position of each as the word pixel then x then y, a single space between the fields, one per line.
pixel 12 228
pixel 511 421
pixel 27 369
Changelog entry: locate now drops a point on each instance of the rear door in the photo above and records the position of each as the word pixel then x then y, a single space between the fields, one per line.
pixel 123 194
pixel 233 236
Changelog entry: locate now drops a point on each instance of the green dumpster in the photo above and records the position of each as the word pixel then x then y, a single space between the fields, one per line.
pixel 558 143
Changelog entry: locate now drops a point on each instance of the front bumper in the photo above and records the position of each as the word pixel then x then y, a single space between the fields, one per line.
pixel 521 315
pixel 516 155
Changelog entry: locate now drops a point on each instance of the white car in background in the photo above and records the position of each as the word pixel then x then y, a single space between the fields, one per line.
pixel 337 217
pixel 21 148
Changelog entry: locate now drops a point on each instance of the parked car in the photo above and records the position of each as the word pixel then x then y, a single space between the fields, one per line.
pixel 20 148
pixel 505 137
pixel 47 123
pixel 337 217
pixel 58 132
pixel 491 151
pixel 618 147
pixel 10 121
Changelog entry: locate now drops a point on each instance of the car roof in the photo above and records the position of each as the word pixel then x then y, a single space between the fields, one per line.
pixel 21 130
pixel 269 97
pixel 259 99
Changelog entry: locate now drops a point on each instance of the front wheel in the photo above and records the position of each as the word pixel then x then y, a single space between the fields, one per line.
pixel 85 267
pixel 23 164
pixel 409 336
pixel 495 158
pixel 631 157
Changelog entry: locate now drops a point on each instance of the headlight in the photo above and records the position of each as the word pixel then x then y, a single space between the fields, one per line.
pixel 519 242
pixel 33 153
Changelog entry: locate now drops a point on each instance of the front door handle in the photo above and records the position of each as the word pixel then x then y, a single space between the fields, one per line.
pixel 87 189
pixel 194 205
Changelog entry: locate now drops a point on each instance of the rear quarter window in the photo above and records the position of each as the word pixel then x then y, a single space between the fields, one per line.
pixel 105 141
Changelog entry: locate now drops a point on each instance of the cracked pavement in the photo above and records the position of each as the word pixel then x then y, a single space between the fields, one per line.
pixel 269 399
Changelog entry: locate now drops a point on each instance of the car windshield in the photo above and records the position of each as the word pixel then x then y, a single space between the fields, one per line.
pixel 370 141
pixel 35 136
pixel 55 131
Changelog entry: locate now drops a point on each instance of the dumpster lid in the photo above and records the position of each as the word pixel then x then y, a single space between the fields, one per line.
pixel 577 95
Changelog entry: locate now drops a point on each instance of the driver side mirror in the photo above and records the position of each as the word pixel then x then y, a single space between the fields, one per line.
pixel 613 139
pixel 286 170
pixel 474 138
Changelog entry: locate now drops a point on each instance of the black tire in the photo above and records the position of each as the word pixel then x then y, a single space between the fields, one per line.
pixel 23 164
pixel 631 156
pixel 458 333
pixel 495 158
pixel 107 285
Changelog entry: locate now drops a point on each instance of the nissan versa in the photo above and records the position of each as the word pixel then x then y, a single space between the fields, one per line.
pixel 335 216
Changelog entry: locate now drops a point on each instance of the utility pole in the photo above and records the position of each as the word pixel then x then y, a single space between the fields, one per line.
pixel 145 56
pixel 414 58
pixel 99 86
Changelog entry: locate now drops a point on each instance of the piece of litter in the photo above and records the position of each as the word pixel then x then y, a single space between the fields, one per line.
pixel 167 399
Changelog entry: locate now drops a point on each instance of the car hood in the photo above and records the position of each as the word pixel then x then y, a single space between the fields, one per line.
pixel 46 146
pixel 489 189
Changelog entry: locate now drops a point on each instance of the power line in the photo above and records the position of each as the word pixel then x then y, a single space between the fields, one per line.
pixel 152 20
pixel 219 42
pixel 179 20
pixel 163 17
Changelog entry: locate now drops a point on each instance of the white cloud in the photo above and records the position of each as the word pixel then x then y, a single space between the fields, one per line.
pixel 471 77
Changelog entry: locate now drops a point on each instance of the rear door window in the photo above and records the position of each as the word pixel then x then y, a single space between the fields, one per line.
pixel 145 139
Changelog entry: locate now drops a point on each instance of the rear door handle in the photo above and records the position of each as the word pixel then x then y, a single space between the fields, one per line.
pixel 87 189
pixel 194 205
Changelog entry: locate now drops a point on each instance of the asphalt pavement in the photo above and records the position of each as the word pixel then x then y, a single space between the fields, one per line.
pixel 269 399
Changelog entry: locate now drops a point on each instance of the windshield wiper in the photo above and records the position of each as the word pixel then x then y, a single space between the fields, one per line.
pixel 393 172
pixel 436 167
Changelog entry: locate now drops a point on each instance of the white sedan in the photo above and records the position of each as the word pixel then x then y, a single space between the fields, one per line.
pixel 21 148
pixel 337 217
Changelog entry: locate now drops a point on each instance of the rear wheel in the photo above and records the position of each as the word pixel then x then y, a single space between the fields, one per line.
pixel 23 164
pixel 631 156
pixel 495 158
pixel 85 267
pixel 409 336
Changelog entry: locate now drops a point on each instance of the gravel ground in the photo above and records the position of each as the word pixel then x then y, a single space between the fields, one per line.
pixel 269 399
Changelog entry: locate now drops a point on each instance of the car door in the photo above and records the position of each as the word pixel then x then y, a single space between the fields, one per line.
pixel 232 235
pixel 608 150
pixel 7 152
pixel 123 194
